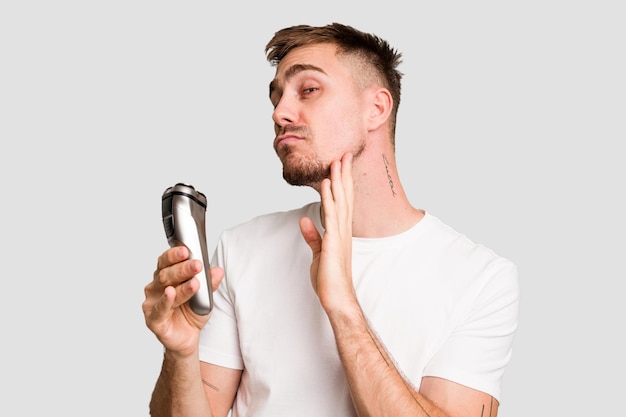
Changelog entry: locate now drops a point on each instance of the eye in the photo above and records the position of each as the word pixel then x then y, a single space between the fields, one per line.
pixel 308 91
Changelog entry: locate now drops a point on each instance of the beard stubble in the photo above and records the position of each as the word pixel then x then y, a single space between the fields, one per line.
pixel 301 170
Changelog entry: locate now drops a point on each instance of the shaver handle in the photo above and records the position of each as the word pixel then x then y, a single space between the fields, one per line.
pixel 183 210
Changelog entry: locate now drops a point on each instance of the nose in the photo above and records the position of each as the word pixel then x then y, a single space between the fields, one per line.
pixel 284 113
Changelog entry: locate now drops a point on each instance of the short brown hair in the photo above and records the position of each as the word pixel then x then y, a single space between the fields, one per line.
pixel 371 49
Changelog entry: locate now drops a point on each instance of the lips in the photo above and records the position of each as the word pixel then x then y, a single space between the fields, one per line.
pixel 285 139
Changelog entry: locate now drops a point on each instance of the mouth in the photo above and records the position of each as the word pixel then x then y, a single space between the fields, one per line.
pixel 285 140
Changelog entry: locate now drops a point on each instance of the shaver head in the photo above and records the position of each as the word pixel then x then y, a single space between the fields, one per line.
pixel 176 201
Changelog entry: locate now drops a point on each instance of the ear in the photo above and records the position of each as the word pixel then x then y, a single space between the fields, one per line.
pixel 380 104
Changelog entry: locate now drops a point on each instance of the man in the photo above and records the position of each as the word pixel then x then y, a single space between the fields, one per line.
pixel 401 316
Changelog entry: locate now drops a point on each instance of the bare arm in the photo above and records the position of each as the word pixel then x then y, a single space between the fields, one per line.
pixel 376 385
pixel 180 389
pixel 178 393
pixel 220 385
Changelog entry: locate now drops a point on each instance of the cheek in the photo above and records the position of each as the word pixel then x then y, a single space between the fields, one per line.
pixel 340 118
pixel 335 125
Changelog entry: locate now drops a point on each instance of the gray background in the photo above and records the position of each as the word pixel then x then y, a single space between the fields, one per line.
pixel 511 130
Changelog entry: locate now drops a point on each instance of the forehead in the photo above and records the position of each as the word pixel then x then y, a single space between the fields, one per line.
pixel 307 53
pixel 322 58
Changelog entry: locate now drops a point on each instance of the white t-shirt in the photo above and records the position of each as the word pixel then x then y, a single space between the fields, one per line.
pixel 441 304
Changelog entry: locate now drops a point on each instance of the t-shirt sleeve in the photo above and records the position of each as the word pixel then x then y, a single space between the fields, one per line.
pixel 219 339
pixel 478 350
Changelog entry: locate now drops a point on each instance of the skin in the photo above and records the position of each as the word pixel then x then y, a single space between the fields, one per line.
pixel 333 136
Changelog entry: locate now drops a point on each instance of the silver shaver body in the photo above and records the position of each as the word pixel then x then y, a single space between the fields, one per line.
pixel 183 212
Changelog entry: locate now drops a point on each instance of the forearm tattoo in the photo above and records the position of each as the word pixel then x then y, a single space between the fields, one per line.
pixel 406 384
pixel 393 191
pixel 482 413
pixel 210 385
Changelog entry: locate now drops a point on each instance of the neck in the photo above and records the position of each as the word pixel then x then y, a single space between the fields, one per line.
pixel 381 207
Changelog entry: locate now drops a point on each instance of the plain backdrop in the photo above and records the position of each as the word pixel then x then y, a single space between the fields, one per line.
pixel 511 130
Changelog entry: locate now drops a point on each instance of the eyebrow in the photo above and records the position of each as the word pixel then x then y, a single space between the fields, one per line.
pixel 292 71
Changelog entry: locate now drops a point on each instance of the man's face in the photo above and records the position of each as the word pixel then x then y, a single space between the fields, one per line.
pixel 318 113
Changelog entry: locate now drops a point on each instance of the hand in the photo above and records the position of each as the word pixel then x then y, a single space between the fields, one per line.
pixel 331 268
pixel 166 310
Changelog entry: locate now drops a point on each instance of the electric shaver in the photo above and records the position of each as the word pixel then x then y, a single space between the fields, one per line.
pixel 183 213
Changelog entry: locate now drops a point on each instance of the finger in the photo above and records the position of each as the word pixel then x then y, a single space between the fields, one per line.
pixel 342 188
pixel 173 295
pixel 336 180
pixel 172 256
pixel 176 274
pixel 346 178
pixel 158 308
pixel 328 204
pixel 163 308
pixel 310 234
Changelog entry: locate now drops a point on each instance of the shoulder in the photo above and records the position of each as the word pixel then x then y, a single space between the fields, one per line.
pixel 274 220
pixel 270 227
pixel 464 257
pixel 456 243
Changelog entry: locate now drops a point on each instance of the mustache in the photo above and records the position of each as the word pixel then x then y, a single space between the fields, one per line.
pixel 301 131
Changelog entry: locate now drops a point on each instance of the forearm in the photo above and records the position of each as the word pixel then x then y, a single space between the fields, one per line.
pixel 377 387
pixel 179 390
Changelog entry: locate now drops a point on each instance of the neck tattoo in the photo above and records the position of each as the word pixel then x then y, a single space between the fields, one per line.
pixel 393 191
